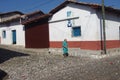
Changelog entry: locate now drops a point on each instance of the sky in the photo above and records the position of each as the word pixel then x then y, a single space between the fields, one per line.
pixel 28 6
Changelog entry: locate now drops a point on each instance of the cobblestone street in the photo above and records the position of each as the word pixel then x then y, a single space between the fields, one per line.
pixel 30 65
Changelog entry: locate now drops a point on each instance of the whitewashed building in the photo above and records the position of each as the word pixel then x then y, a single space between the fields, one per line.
pixel 11 30
pixel 81 24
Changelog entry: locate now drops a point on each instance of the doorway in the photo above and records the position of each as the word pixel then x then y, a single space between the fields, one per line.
pixel 14 36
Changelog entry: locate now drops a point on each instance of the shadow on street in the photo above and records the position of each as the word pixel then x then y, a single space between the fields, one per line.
pixel 8 54
pixel 2 75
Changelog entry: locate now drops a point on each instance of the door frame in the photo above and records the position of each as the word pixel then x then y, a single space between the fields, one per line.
pixel 14 39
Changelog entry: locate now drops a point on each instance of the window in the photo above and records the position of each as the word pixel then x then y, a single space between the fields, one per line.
pixel 68 13
pixel 4 34
pixel 76 31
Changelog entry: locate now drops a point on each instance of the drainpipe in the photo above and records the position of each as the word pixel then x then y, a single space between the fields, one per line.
pixel 104 32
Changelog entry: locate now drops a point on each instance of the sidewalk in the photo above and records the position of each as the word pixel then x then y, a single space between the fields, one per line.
pixel 58 51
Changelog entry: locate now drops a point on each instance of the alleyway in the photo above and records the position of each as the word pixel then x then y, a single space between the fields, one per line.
pixel 29 65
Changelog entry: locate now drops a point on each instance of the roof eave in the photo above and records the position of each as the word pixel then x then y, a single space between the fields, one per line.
pixel 95 6
pixel 12 12
pixel 36 19
pixel 59 7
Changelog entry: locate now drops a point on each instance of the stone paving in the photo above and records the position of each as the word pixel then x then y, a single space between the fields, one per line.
pixel 45 64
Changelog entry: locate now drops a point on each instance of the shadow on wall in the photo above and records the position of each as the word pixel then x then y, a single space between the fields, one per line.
pixel 8 54
pixel 3 75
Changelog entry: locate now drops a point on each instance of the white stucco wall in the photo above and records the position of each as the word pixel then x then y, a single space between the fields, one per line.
pixel 87 20
pixel 112 27
pixel 90 21
pixel 20 35
pixel 112 24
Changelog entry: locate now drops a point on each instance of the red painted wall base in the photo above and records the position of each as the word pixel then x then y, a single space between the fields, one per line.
pixel 89 45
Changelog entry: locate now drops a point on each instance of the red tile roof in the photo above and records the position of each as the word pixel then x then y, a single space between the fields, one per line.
pixel 7 13
pixel 30 16
pixel 96 6
pixel 34 13
pixel 35 19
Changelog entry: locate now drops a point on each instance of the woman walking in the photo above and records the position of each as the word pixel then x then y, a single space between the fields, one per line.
pixel 65 48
